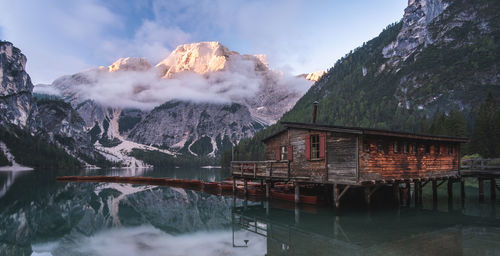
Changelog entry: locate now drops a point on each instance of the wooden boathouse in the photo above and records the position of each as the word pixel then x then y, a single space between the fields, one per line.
pixel 348 157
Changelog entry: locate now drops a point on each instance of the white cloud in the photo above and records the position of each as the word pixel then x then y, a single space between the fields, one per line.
pixel 146 90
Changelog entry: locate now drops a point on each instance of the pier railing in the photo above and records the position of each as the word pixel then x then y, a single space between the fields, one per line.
pixel 261 169
pixel 488 165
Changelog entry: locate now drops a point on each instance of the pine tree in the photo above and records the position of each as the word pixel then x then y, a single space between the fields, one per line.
pixel 483 141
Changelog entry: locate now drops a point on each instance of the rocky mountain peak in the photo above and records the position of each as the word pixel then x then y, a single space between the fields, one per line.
pixel 315 76
pixel 201 58
pixel 130 64
pixel 414 31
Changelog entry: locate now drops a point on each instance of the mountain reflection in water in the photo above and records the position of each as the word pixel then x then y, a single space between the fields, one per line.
pixel 39 216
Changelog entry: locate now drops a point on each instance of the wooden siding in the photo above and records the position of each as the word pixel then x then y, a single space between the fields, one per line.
pixel 274 144
pixel 387 164
pixel 312 170
pixel 342 156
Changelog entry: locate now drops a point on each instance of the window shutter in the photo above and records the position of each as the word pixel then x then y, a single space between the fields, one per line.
pixel 308 147
pixel 290 152
pixel 322 146
pixel 277 152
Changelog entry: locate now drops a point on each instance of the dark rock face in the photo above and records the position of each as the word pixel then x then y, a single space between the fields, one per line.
pixel 64 125
pixel 198 128
pixel 16 105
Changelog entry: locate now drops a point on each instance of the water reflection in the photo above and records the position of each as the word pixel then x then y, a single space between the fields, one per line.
pixel 394 232
pixel 39 216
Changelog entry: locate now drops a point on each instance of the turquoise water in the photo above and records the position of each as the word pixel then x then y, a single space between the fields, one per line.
pixel 39 216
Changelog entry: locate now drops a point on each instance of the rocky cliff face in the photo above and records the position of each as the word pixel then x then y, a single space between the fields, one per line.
pixel 65 126
pixel 195 128
pixel 414 32
pixel 50 120
pixel 16 105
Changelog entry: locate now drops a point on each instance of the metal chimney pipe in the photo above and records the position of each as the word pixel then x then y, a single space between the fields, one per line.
pixel 315 111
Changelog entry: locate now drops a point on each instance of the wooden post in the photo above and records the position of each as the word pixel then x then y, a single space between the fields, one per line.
pixel 420 193
pixel 268 185
pixel 408 193
pixel 450 195
pixel 493 186
pixel 245 182
pixel 434 192
pixel 297 193
pixel 367 196
pixel 462 190
pixel 450 190
pixel 234 185
pixel 395 190
pixel 336 200
pixel 417 192
pixel 481 189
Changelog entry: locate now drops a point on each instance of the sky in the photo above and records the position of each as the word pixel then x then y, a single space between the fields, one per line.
pixel 61 37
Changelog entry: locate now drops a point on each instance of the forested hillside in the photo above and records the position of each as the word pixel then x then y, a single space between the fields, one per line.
pixel 446 84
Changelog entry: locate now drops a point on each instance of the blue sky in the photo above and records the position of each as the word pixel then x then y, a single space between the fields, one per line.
pixel 64 37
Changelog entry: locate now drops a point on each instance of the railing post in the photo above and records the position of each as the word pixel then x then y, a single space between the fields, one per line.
pixel 271 170
pixel 254 170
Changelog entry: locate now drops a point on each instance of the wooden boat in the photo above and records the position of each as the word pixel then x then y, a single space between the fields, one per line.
pixel 225 186
pixel 210 185
pixel 291 197
pixel 251 191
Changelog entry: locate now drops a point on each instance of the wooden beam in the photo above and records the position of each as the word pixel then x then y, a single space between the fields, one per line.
pixel 425 183
pixel 344 190
pixel 441 183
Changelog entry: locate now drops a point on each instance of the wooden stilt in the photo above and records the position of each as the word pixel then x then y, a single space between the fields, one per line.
pixel 245 187
pixel 434 194
pixel 420 193
pixel 395 190
pixel 450 190
pixel 336 195
pixel 408 193
pixel 450 195
pixel 234 185
pixel 493 185
pixel 481 189
pixel 297 193
pixel 367 196
pixel 462 190
pixel 268 185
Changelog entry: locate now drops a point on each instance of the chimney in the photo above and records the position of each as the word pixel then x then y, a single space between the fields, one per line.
pixel 315 111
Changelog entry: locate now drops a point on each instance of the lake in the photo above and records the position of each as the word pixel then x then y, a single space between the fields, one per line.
pixel 39 216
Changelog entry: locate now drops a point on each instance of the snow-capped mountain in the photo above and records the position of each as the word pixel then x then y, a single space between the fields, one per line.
pixel 220 97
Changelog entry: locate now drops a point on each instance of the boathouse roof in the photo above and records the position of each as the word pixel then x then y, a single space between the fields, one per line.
pixel 364 131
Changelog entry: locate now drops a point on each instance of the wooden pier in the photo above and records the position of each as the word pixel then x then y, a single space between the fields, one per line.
pixel 269 172
pixel 346 158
